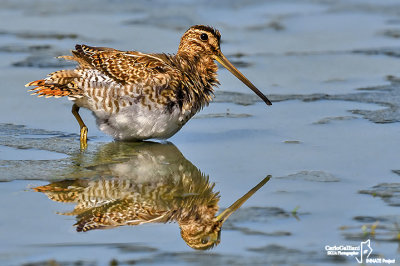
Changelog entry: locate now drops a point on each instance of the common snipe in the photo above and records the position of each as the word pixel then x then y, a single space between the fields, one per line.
pixel 138 96
pixel 133 184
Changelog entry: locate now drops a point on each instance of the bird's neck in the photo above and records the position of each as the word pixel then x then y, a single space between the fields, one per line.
pixel 199 75
pixel 199 64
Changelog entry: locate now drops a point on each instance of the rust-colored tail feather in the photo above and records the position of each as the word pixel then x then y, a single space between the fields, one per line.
pixel 58 84
pixel 50 90
pixel 39 82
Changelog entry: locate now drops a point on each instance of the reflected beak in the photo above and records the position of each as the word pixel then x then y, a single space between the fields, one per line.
pixel 225 214
pixel 228 65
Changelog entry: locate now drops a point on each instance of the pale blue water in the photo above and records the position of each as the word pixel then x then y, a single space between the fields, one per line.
pixel 292 51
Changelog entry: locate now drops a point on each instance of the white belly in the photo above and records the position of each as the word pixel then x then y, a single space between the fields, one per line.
pixel 138 123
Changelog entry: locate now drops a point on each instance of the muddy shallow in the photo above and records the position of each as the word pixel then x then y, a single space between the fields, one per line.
pixel 330 140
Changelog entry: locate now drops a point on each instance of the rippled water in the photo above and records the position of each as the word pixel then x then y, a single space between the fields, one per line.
pixel 330 140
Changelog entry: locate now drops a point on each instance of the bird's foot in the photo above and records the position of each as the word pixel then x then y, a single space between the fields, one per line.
pixel 84 131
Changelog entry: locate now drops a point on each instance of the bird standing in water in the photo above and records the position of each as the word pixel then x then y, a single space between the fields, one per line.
pixel 137 96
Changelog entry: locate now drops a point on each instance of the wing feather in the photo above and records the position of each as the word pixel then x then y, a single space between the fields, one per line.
pixel 125 67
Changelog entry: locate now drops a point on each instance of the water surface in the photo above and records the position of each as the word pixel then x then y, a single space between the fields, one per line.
pixel 330 139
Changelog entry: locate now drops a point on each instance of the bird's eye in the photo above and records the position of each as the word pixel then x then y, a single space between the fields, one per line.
pixel 204 240
pixel 204 37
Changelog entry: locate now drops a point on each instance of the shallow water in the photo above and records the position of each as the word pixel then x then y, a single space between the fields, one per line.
pixel 330 140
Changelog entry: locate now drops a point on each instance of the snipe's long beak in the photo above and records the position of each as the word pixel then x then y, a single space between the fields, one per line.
pixel 225 214
pixel 228 65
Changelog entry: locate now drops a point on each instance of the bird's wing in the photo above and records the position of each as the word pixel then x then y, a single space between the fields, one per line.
pixel 125 67
pixel 118 213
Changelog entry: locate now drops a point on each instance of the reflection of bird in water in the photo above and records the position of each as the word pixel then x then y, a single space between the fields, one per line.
pixel 155 185
pixel 137 96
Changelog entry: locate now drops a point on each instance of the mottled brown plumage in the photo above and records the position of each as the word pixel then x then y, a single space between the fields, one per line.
pixel 137 96
pixel 151 183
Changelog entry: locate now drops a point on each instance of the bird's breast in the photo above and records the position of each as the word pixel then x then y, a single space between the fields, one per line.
pixel 139 122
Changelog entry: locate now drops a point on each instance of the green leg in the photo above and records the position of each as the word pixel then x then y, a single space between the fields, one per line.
pixel 84 129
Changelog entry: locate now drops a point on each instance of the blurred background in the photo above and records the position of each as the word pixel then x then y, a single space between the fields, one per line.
pixel 330 140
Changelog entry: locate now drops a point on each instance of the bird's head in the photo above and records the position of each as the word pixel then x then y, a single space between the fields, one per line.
pixel 202 237
pixel 200 40
pixel 205 233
